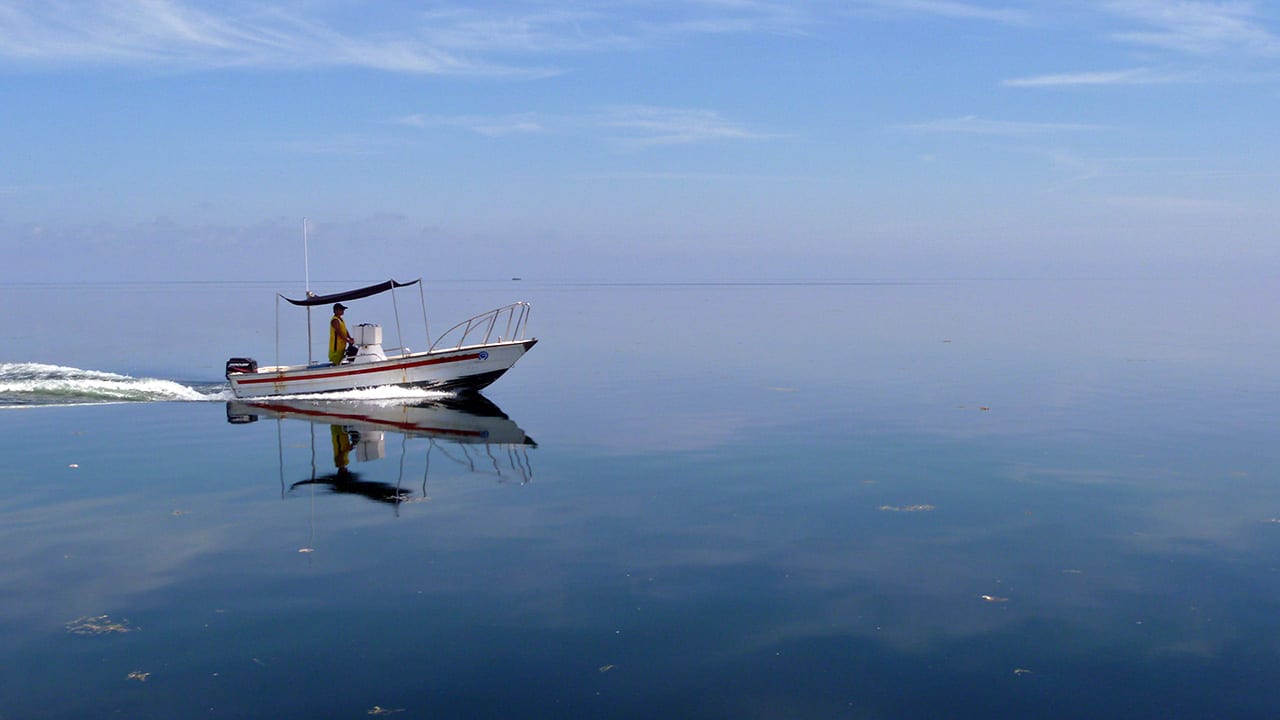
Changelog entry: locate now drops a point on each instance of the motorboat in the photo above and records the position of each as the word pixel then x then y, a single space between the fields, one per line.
pixel 467 357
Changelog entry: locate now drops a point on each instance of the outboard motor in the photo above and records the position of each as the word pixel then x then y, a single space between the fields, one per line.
pixel 241 365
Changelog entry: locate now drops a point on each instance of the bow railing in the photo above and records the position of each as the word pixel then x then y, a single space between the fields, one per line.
pixel 504 324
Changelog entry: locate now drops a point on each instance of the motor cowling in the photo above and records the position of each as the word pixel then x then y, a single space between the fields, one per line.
pixel 241 365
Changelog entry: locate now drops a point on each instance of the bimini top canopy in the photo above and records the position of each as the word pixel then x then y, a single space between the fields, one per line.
pixel 363 292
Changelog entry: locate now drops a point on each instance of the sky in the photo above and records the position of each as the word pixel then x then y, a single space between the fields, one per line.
pixel 716 140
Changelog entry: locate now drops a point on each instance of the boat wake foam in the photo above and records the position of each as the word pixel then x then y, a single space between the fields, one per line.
pixel 32 384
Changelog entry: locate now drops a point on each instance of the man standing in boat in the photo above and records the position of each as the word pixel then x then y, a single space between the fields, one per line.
pixel 339 338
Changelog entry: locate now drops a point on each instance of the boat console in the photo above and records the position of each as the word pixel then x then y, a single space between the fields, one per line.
pixel 368 339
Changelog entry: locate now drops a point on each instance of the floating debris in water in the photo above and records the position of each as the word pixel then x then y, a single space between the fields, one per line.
pixel 74 465
pixel 138 675
pixel 993 598
pixel 607 668
pixel 100 625
pixel 378 710
pixel 1021 671
pixel 907 508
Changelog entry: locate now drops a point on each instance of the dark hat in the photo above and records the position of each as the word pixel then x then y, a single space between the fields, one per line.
pixel 339 306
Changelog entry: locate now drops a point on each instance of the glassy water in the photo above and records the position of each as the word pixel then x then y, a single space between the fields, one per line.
pixel 769 501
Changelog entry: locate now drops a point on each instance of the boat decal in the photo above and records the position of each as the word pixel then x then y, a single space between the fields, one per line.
pixel 484 355
pixel 284 377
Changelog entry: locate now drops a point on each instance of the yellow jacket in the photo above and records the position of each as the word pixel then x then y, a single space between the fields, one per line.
pixel 338 338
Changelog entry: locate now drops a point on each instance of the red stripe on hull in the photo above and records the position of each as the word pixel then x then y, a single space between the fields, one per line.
pixel 282 377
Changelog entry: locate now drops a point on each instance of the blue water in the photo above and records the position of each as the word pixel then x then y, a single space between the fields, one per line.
pixel 838 500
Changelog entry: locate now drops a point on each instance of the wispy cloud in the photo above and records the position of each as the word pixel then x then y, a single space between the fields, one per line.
pixel 446 39
pixel 491 126
pixel 951 9
pixel 973 125
pixel 172 34
pixel 473 30
pixel 646 125
pixel 1133 76
pixel 721 17
pixel 111 30
pixel 1199 28
pixel 1225 40
pixel 629 125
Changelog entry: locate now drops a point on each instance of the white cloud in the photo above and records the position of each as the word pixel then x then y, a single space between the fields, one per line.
pixel 492 126
pixel 1134 76
pixel 648 125
pixel 1227 40
pixel 469 29
pixel 632 125
pixel 111 30
pixel 172 34
pixel 1199 28
pixel 445 40
pixel 973 125
pixel 719 17
pixel 952 9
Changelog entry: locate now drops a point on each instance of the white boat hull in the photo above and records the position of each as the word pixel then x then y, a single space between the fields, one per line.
pixel 466 368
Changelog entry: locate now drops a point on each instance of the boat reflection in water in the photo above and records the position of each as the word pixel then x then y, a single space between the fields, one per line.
pixel 470 431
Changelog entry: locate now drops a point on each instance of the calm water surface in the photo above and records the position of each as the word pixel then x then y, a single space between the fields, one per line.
pixel 980 500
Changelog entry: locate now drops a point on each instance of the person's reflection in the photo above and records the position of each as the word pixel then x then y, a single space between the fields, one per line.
pixel 349 483
pixel 342 442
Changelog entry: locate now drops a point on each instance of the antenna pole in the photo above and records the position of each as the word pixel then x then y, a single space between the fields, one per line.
pixel 306 259
pixel 306 269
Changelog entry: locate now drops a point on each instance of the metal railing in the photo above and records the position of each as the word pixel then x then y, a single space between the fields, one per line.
pixel 508 321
